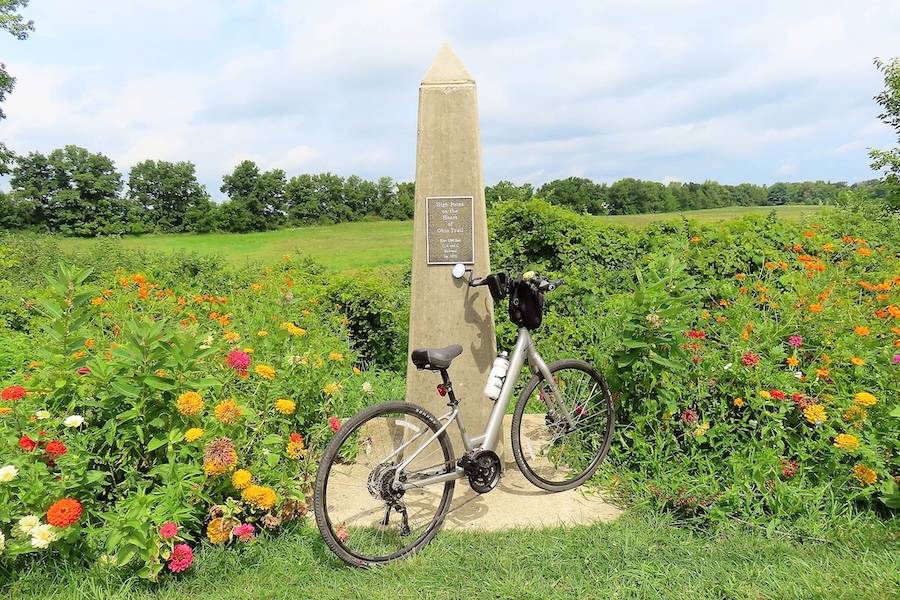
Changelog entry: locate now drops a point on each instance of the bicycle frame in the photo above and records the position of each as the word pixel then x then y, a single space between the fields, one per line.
pixel 524 350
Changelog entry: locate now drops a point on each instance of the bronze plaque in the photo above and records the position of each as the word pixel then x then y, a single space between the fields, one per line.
pixel 450 230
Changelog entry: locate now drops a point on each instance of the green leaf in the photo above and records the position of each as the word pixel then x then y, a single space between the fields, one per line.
pixel 272 440
pixel 634 344
pixel 156 443
pixel 159 383
pixel 203 382
pixel 670 364
pixel 126 389
pixel 51 307
pixel 895 412
pixel 125 555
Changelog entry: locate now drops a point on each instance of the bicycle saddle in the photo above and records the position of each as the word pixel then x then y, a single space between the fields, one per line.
pixel 435 359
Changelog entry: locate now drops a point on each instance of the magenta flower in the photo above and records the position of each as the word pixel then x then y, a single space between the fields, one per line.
pixel 244 532
pixel 237 360
pixel 795 340
pixel 168 530
pixel 181 559
pixel 897 359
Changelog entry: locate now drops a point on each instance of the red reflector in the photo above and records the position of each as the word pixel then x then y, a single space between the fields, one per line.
pixel 441 390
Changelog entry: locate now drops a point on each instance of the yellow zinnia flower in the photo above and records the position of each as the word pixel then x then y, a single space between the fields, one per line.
pixel 865 399
pixel 228 412
pixel 241 478
pixel 190 403
pixel 193 434
pixel 336 356
pixel 265 371
pixel 285 407
pixel 218 531
pixel 332 388
pixel 815 414
pixel 864 475
pixel 846 441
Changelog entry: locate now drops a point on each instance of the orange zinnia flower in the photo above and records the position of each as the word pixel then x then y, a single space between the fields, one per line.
pixel 63 513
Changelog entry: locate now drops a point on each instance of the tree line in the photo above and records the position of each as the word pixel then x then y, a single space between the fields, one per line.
pixel 74 192
pixel 633 196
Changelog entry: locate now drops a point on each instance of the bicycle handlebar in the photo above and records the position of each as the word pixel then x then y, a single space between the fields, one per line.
pixel 538 282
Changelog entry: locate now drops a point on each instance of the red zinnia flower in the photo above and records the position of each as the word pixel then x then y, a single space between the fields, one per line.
pixel 26 443
pixel 697 335
pixel 296 437
pixel 777 394
pixel 63 513
pixel 56 448
pixel 13 392
pixel 335 424
pixel 749 359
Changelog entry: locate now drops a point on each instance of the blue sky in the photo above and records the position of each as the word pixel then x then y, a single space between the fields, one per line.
pixel 734 91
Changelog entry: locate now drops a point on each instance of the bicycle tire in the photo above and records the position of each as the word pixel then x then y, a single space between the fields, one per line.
pixel 355 509
pixel 550 454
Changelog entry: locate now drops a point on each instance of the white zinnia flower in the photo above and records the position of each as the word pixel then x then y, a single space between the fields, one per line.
pixel 73 421
pixel 2 541
pixel 367 387
pixel 8 473
pixel 27 524
pixel 42 414
pixel 42 535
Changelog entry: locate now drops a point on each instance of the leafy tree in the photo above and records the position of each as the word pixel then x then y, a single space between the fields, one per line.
pixel 778 194
pixel 577 193
pixel 14 23
pixel 72 192
pixel 507 190
pixel 888 161
pixel 170 198
pixel 256 200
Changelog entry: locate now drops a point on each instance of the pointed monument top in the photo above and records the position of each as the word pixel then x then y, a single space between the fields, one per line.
pixel 447 68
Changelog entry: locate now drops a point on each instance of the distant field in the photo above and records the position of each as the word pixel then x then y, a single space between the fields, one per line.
pixel 364 245
pixel 792 212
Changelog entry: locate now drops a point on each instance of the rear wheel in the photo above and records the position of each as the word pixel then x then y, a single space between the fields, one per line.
pixel 551 452
pixel 362 513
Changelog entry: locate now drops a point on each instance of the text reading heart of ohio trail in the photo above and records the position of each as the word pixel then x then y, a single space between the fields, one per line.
pixel 451 234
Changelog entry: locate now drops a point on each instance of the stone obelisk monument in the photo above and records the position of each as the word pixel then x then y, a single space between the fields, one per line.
pixel 450 227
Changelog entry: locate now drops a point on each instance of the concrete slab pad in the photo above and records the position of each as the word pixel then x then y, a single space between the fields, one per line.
pixel 516 502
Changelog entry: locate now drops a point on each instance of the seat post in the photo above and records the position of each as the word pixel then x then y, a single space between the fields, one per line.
pixel 448 387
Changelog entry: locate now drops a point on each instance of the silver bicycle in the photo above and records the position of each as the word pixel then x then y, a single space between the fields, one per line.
pixel 386 480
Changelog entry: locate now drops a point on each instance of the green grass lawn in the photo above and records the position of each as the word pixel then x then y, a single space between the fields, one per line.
pixel 639 556
pixel 364 245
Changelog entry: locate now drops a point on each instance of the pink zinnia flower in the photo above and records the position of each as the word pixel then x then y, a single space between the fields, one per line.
pixel 897 359
pixel 182 557
pixel 795 341
pixel 335 424
pixel 83 371
pixel 244 532
pixel 168 530
pixel 237 360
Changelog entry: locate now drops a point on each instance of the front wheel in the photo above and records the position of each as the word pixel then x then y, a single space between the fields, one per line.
pixel 554 452
pixel 363 513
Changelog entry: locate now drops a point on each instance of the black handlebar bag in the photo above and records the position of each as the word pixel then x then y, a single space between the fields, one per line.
pixel 526 305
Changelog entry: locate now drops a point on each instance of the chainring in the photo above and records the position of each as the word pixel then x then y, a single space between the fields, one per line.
pixel 486 472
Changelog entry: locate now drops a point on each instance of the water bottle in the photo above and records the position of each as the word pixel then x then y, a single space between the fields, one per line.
pixel 496 377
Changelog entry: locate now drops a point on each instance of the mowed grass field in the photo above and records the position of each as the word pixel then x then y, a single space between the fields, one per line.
pixel 366 245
